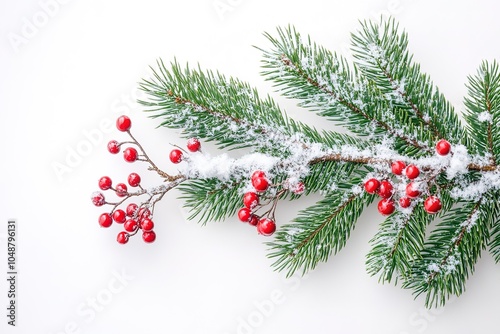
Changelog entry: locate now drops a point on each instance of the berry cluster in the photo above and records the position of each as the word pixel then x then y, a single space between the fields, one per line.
pixel 132 216
pixel 415 182
pixel 265 223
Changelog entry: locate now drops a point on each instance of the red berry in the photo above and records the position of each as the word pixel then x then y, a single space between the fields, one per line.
pixel 260 183
pixel 113 147
pixel 266 226
pixel 105 183
pixel 386 206
pixel 193 144
pixel 397 167
pixel 371 186
pixel 244 215
pixel 175 156
pixel 143 213
pixel 105 220
pixel 299 188
pixel 122 237
pixel 412 190
pixel 130 225
pixel 130 154
pixel 443 147
pixel 121 190
pixel 98 199
pixel 254 220
pixel 385 189
pixel 250 200
pixel 147 225
pixel 134 179
pixel 404 202
pixel 123 123
pixel 432 204
pixel 119 216
pixel 149 237
pixel 257 174
pixel 412 172
pixel 131 209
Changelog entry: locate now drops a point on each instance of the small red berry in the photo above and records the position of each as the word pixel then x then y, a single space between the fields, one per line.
pixel 412 190
pixel 113 147
pixel 254 220
pixel 250 200
pixel 266 226
pixel 149 237
pixel 122 237
pixel 147 225
pixel 257 174
pixel 404 202
pixel 121 190
pixel 386 206
pixel 105 220
pixel 260 184
pixel 134 179
pixel 119 216
pixel 123 123
pixel 385 189
pixel 244 215
pixel 412 172
pixel 130 154
pixel 372 185
pixel 131 209
pixel 443 147
pixel 175 156
pixel 432 204
pixel 397 167
pixel 299 188
pixel 193 144
pixel 143 213
pixel 130 225
pixel 105 183
pixel 98 199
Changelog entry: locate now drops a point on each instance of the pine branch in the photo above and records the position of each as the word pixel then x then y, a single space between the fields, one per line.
pixel 319 230
pixel 382 56
pixel 398 244
pixel 324 83
pixel 483 111
pixel 210 200
pixel 451 252
pixel 210 106
pixel 494 242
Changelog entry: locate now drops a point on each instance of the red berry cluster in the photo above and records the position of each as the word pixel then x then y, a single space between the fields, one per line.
pixel 251 201
pixel 134 217
pixel 264 223
pixel 385 188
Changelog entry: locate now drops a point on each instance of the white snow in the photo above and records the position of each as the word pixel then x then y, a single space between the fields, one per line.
pixel 485 116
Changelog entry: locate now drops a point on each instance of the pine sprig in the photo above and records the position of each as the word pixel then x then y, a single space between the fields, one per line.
pixel 395 115
pixel 398 244
pixel 324 82
pixel 483 110
pixel 318 231
pixel 210 200
pixel 213 107
pixel 451 251
pixel 494 242
pixel 382 55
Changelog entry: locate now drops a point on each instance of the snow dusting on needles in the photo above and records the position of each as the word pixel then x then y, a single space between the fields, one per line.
pixel 485 116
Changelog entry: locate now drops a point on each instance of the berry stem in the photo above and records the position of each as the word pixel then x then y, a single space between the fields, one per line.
pixel 153 167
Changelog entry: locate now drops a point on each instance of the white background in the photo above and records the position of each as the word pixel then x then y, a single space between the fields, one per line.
pixel 77 70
